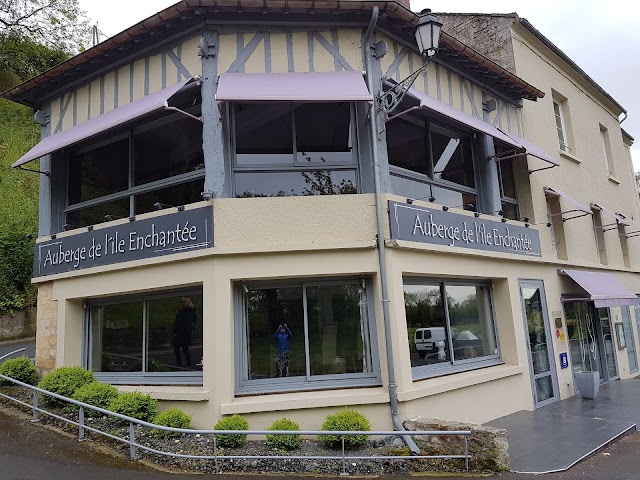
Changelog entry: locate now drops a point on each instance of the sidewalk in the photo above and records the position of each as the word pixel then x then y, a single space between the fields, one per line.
pixel 556 437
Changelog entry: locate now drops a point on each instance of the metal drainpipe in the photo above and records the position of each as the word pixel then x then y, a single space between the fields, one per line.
pixel 393 394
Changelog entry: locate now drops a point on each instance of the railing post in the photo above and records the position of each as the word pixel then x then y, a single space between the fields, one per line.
pixel 132 447
pixel 344 464
pixel 466 454
pixel 215 454
pixel 34 417
pixel 81 425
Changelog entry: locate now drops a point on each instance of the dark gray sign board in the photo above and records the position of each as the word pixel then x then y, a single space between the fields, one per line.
pixel 153 237
pixel 433 225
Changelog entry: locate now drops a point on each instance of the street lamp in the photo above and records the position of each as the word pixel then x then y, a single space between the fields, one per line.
pixel 427 37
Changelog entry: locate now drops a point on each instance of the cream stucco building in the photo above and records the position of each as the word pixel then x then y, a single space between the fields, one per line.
pixel 231 223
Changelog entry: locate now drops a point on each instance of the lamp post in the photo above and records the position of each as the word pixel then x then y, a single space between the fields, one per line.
pixel 428 38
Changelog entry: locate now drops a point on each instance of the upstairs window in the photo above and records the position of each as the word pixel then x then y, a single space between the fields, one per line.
pixel 508 193
pixel 125 175
pixel 563 122
pixel 288 149
pixel 606 151
pixel 430 160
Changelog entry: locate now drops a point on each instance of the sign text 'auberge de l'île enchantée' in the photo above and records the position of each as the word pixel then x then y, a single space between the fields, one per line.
pixel 158 236
pixel 428 225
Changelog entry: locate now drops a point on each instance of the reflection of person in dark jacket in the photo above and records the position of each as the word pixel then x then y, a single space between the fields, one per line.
pixel 282 336
pixel 183 327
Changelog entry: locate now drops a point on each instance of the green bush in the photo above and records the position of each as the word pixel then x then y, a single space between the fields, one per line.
pixel 20 369
pixel 234 422
pixel 173 417
pixel 284 442
pixel 65 381
pixel 135 404
pixel 97 394
pixel 345 420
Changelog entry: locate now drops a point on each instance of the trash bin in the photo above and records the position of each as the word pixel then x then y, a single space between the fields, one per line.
pixel 588 383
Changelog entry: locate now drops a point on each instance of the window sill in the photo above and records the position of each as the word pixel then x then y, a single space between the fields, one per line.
pixel 458 380
pixel 170 392
pixel 614 180
pixel 569 156
pixel 304 400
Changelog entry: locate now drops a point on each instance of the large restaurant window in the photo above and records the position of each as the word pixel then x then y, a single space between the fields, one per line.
pixel 289 149
pixel 146 339
pixel 430 160
pixel 450 326
pixel 508 192
pixel 158 161
pixel 301 335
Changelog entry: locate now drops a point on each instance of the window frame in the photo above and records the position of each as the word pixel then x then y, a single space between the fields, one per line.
pixel 245 386
pixel 133 190
pixel 558 113
pixel 429 179
pixel 135 378
pixel 606 151
pixel 423 372
pixel 295 165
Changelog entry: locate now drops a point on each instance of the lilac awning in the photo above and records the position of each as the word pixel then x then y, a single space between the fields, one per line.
pixel 532 149
pixel 604 289
pixel 95 126
pixel 578 206
pixel 293 87
pixel 458 116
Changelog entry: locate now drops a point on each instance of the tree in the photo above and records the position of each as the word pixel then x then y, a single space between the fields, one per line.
pixel 59 24
pixel 637 175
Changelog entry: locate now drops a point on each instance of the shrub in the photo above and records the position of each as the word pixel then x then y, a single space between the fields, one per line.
pixel 345 420
pixel 65 381
pixel 135 404
pixel 20 369
pixel 234 422
pixel 173 417
pixel 97 394
pixel 284 442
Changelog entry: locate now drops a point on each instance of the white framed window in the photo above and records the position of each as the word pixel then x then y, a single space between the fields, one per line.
pixel 450 326
pixel 561 126
pixel 303 335
pixel 146 339
pixel 606 151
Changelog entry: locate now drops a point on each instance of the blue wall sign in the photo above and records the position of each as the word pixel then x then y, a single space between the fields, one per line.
pixel 564 360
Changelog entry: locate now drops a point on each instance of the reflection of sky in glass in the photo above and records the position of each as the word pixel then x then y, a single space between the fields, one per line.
pixel 460 293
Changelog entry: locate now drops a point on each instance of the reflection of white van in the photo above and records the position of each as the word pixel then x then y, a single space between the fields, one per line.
pixel 425 340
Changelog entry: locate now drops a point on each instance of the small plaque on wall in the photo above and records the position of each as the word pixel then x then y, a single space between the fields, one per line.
pixel 564 360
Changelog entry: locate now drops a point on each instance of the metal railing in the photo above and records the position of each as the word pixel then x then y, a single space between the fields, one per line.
pixel 216 457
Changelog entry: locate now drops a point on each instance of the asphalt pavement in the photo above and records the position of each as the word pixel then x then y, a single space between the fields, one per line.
pixel 33 452
pixel 11 345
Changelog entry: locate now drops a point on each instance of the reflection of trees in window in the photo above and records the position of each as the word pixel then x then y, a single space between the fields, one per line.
pixel 321 183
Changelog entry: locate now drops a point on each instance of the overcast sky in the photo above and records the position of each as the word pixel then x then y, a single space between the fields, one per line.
pixel 602 37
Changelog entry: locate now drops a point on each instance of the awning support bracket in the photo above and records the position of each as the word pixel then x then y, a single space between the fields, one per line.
pixel 34 171
pixel 540 169
pixel 187 114
pixel 582 214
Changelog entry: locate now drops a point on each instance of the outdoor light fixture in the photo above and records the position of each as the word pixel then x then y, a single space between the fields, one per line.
pixel 160 206
pixel 431 198
pixel 90 228
pixel 428 38
pixel 503 220
pixel 476 214
pixel 525 219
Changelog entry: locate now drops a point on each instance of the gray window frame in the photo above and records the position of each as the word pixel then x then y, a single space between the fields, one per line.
pixel 244 386
pixel 429 179
pixel 137 378
pixel 455 366
pixel 354 166
pixel 133 190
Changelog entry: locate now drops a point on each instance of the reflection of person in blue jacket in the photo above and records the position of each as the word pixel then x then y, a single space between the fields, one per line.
pixel 282 336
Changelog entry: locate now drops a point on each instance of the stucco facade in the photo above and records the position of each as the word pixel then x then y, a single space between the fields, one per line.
pixel 310 240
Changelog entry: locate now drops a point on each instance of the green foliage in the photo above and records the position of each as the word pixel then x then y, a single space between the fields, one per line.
pixel 284 442
pixel 174 418
pixel 20 369
pixel 65 381
pixel 234 422
pixel 97 394
pixel 135 404
pixel 345 420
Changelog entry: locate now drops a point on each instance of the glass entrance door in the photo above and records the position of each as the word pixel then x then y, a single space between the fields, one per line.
pixel 541 358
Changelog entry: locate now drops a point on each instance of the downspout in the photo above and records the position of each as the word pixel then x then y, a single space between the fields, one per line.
pixel 393 393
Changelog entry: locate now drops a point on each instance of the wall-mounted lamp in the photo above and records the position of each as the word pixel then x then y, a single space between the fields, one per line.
pixel 160 206
pixel 428 38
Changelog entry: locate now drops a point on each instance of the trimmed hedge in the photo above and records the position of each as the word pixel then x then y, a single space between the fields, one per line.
pixel 97 394
pixel 174 418
pixel 234 422
pixel 20 369
pixel 65 381
pixel 345 420
pixel 135 404
pixel 284 442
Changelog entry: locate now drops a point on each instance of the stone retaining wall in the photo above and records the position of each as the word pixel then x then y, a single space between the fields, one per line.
pixel 20 324
pixel 487 445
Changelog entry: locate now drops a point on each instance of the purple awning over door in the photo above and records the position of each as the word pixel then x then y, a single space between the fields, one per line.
pixel 603 288
pixel 107 121
pixel 293 87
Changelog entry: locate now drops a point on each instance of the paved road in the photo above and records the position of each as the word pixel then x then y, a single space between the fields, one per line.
pixel 31 452
pixel 10 346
